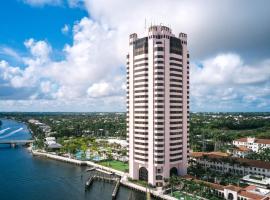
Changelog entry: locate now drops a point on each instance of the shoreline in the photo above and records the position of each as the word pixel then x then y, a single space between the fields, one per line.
pixel 77 162
pixel 124 176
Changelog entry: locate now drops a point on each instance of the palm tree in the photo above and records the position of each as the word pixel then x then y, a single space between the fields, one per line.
pixel 172 181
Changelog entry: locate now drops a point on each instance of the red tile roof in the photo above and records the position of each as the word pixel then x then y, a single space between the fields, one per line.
pixel 254 163
pixel 240 191
pixel 250 195
pixel 243 148
pixel 209 154
pixel 248 162
pixel 260 141
pixel 241 140
pixel 250 187
pixel 263 141
pixel 233 188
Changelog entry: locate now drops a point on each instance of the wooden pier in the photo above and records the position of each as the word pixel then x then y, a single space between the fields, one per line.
pixel 116 189
pixel 91 179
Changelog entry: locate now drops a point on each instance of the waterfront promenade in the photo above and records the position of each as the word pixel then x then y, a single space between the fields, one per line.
pixel 124 176
pixel 78 162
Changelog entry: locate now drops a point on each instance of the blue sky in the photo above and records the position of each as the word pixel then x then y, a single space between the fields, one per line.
pixel 69 55
pixel 20 21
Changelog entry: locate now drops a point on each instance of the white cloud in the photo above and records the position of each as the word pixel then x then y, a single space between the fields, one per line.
pixel 69 3
pixel 212 26
pixel 103 89
pixel 230 68
pixel 39 3
pixel 91 67
pixel 75 3
pixel 65 29
pixel 10 52
pixel 40 51
pixel 225 81
pixel 8 72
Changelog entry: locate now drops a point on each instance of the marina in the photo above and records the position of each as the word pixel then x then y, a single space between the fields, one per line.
pixel 37 177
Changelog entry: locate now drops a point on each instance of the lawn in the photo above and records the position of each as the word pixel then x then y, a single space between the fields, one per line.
pixel 179 195
pixel 115 164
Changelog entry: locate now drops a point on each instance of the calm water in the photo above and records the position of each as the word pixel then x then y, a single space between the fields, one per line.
pixel 24 177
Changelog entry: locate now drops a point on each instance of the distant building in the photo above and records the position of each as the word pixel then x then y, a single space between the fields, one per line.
pixel 260 181
pixel 225 164
pixel 241 151
pixel 157 105
pixel 51 143
pixel 253 143
pixel 123 143
pixel 231 192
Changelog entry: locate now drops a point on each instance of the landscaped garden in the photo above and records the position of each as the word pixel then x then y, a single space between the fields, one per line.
pixel 193 189
pixel 210 175
pixel 180 195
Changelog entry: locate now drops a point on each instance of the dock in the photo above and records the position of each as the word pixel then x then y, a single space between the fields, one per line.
pixel 116 189
pixel 109 171
pixel 89 182
pixel 104 172
pixel 91 179
pixel 90 169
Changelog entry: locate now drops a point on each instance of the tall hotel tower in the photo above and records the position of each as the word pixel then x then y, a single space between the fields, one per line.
pixel 157 105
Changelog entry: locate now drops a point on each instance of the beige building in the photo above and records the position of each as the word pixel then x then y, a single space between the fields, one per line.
pixel 157 104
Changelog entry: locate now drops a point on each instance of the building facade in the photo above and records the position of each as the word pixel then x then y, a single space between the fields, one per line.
pixel 230 192
pixel 237 166
pixel 252 143
pixel 241 151
pixel 157 105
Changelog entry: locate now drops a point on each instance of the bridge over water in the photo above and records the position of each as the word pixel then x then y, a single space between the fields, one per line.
pixel 14 143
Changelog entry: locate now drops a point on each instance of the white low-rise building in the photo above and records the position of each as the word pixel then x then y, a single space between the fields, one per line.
pixel 253 143
pixel 257 180
pixel 241 151
pixel 51 143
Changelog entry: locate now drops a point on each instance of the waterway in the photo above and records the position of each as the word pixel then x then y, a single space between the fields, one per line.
pixel 24 177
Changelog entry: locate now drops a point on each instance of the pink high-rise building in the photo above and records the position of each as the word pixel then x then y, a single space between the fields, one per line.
pixel 157 105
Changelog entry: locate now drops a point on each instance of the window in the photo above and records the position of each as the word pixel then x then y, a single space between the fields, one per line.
pixel 159 49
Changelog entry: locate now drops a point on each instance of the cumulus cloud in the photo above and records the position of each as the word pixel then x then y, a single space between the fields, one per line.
pixel 92 68
pixel 89 69
pixel 228 83
pixel 212 26
pixel 104 89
